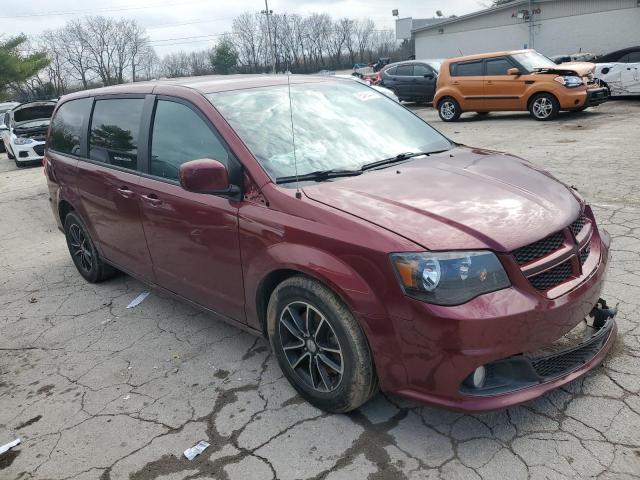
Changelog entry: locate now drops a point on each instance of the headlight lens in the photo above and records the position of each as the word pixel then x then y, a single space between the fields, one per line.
pixel 449 278
pixel 569 81
pixel 22 141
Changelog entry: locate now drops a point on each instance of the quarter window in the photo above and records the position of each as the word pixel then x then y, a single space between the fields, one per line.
pixel 115 126
pixel 497 66
pixel 404 70
pixel 467 69
pixel 66 126
pixel 421 70
pixel 180 135
pixel 390 71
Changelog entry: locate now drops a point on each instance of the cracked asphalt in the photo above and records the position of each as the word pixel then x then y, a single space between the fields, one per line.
pixel 98 391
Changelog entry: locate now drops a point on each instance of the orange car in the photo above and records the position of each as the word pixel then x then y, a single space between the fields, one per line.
pixel 515 81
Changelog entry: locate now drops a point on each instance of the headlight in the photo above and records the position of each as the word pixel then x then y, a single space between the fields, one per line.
pixel 569 81
pixel 449 278
pixel 22 141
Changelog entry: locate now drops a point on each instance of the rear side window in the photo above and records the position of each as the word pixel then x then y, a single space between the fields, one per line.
pixel 115 126
pixel 404 70
pixel 66 126
pixel 632 57
pixel 467 69
pixel 497 66
pixel 180 135
pixel 421 70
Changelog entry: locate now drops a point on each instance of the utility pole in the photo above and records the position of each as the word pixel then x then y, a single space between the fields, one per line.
pixel 531 32
pixel 268 13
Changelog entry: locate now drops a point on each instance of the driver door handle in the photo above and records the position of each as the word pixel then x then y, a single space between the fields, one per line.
pixel 125 192
pixel 152 199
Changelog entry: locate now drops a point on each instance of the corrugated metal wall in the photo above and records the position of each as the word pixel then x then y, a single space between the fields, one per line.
pixel 562 26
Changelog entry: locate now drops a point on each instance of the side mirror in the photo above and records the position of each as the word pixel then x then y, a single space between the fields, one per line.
pixel 514 71
pixel 206 176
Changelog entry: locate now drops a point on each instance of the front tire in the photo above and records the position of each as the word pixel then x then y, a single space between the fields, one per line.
pixel 83 251
pixel 449 110
pixel 544 107
pixel 320 346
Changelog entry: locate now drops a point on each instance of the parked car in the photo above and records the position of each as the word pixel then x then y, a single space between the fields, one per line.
pixel 370 250
pixel 385 91
pixel 620 71
pixel 515 81
pixel 413 80
pixel 574 57
pixel 4 108
pixel 24 139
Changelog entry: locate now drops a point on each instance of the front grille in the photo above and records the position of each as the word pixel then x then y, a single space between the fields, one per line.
pixel 553 277
pixel 584 254
pixel 39 149
pixel 578 225
pixel 539 249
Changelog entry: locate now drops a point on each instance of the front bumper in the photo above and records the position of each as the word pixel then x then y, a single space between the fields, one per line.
pixel 31 152
pixel 596 96
pixel 442 346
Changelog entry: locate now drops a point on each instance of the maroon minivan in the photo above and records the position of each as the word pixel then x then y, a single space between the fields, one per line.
pixel 372 251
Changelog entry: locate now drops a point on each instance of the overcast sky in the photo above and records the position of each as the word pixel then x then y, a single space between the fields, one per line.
pixel 172 25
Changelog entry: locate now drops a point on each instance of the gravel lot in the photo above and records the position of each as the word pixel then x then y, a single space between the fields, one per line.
pixel 96 391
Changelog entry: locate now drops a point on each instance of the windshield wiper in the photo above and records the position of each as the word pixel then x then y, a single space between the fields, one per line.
pixel 319 176
pixel 398 158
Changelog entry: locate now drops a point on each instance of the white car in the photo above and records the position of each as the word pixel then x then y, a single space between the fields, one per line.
pixel 4 108
pixel 620 71
pixel 25 136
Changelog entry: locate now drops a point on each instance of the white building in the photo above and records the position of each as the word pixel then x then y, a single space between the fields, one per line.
pixel 552 27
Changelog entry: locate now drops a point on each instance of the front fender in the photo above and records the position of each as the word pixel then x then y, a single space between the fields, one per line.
pixel 316 263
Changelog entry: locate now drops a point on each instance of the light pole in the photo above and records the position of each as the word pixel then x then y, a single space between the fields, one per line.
pixel 268 13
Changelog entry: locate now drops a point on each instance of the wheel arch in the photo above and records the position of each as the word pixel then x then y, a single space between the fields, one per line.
pixel 285 260
pixel 64 208
pixel 534 94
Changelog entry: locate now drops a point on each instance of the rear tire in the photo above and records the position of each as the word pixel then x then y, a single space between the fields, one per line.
pixel 544 107
pixel 449 109
pixel 83 251
pixel 320 346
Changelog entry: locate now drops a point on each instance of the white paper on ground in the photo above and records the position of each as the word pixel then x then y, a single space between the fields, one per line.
pixel 196 450
pixel 138 300
pixel 10 445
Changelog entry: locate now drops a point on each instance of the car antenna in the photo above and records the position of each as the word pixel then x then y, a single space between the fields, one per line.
pixel 293 137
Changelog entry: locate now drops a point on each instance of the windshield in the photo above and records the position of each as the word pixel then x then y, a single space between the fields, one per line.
pixel 533 60
pixel 337 124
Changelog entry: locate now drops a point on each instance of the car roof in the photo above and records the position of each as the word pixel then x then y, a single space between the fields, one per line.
pixel 418 60
pixel 205 84
pixel 480 56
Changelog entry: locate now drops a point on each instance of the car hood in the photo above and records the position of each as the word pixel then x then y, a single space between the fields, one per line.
pixel 581 69
pixel 29 112
pixel 461 199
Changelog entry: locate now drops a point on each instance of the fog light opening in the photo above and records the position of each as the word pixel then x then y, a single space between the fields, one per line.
pixel 477 378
